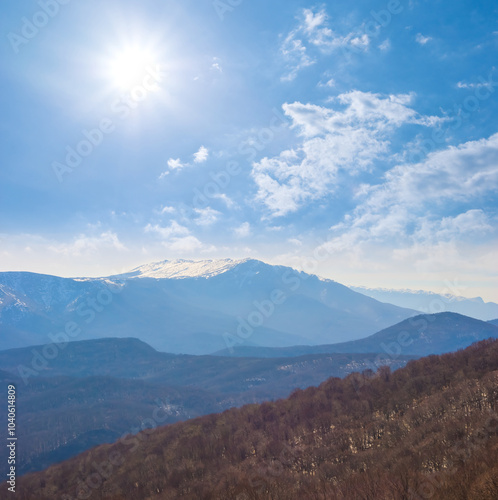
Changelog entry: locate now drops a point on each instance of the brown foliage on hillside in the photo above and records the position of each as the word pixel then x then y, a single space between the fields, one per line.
pixel 429 430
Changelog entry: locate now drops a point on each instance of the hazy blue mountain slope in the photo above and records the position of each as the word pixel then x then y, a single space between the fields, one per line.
pixel 418 336
pixel 133 359
pixel 190 307
pixel 94 391
pixel 428 302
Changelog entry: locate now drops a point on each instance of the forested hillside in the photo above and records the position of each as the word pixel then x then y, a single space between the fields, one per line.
pixel 94 391
pixel 429 430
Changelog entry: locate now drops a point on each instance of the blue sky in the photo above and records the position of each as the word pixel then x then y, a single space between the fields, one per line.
pixel 357 140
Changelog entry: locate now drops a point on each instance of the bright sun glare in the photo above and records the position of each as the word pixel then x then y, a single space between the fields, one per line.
pixel 130 66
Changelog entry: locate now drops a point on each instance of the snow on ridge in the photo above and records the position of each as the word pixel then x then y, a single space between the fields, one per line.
pixel 408 291
pixel 179 269
pixel 396 290
pixel 14 300
pixel 392 293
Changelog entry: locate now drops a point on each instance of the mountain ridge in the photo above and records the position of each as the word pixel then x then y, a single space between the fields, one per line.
pixel 91 392
pixel 228 302
pixel 431 302
pixel 182 268
pixel 420 335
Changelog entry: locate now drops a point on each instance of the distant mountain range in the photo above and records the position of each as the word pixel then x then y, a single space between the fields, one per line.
pixel 190 307
pixel 418 336
pixel 91 392
pixel 430 303
pixel 122 380
pixel 428 430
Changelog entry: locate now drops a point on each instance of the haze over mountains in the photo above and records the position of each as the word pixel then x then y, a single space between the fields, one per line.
pixel 122 380
pixel 190 307
pixel 93 391
pixel 420 335
pixel 430 303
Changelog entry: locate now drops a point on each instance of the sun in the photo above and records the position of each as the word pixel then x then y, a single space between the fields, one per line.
pixel 129 66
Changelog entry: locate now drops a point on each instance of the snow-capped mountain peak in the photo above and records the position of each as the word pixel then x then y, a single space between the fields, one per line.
pixel 180 268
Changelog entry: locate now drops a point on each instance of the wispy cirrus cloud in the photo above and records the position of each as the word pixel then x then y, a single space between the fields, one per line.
pixel 166 209
pixel 475 85
pixel 327 83
pixel 296 56
pixel 313 33
pixel 385 45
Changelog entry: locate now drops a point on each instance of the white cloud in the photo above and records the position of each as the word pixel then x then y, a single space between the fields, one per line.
pixel 312 21
pixel 295 241
pixel 472 86
pixel 173 230
pixel 458 173
pixel 206 216
pixel 175 164
pixel 472 223
pixel 216 65
pixel 84 245
pixel 313 32
pixel 330 83
pixel 360 42
pixel 409 208
pixel 450 258
pixel 167 210
pixel 320 35
pixel 202 155
pixel 225 199
pixel 385 45
pixel 296 55
pixel 422 40
pixel 186 244
pixel 349 140
pixel 243 231
pixel 178 238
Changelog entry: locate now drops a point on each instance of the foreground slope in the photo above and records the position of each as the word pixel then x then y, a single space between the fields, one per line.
pixel 429 430
pixel 190 307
